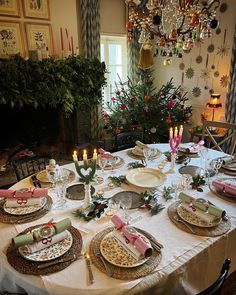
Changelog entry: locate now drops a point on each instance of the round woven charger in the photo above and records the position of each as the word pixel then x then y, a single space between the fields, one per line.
pixel 76 191
pixel 136 157
pixel 8 218
pixel 115 166
pixel 71 178
pixel 120 272
pixel 215 231
pixel 227 172
pixel 25 266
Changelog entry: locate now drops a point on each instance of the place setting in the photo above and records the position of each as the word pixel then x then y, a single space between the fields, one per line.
pixel 228 165
pixel 45 248
pixel 142 151
pixel 191 149
pixel 125 252
pixel 24 205
pixel 198 216
pixel 224 188
pixel 107 161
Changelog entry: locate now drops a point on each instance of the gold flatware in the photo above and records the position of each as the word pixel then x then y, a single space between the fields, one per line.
pixel 185 223
pixel 88 264
pixel 68 259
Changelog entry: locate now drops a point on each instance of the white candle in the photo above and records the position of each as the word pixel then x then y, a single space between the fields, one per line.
pixel 95 155
pixel 171 133
pixel 181 130
pixel 176 132
pixel 75 158
pixel 85 158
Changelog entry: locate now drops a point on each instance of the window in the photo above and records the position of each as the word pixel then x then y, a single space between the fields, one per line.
pixel 114 54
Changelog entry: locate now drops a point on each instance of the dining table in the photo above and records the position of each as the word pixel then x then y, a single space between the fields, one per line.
pixel 189 262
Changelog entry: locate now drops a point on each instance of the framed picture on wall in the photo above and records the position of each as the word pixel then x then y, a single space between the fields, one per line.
pixel 36 9
pixel 9 8
pixel 11 41
pixel 39 37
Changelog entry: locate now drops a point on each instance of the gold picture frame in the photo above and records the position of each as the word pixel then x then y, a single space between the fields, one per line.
pixel 11 39
pixel 9 8
pixel 36 9
pixel 39 37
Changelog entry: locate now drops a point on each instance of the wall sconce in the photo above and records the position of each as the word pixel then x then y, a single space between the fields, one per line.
pixel 214 104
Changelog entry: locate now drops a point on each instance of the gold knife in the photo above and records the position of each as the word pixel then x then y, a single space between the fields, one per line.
pixel 88 263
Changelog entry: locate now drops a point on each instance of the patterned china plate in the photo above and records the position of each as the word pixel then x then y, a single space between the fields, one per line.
pixel 25 210
pixel 42 175
pixel 145 177
pixel 49 253
pixel 114 253
pixel 193 219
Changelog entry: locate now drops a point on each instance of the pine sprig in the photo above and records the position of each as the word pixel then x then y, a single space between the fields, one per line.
pixel 157 208
pixel 118 180
pixel 136 164
pixel 95 210
pixel 167 193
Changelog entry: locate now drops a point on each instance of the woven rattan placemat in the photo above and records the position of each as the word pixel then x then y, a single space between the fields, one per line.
pixel 215 231
pixel 190 155
pixel 25 266
pixel 8 218
pixel 119 272
pixel 136 157
pixel 222 195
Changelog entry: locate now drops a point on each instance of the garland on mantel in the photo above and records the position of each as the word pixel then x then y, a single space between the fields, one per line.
pixel 71 82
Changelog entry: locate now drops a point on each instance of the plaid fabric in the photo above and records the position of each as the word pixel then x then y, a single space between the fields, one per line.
pixel 90 35
pixel 230 106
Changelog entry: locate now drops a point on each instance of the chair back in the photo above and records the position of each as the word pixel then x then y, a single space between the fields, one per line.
pixel 230 135
pixel 215 288
pixel 27 166
pixel 127 140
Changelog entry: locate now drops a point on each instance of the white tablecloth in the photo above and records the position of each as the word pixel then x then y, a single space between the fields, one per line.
pixel 189 262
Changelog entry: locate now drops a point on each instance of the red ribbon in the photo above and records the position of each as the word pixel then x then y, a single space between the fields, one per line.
pixel 21 201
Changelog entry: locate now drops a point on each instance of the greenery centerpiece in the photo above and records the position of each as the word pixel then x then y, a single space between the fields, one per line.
pixel 141 107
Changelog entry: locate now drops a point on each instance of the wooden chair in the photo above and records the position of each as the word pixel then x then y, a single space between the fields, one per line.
pixel 230 135
pixel 27 166
pixel 127 140
pixel 215 288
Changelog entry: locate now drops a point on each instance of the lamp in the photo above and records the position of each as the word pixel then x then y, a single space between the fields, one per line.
pixel 173 25
pixel 214 103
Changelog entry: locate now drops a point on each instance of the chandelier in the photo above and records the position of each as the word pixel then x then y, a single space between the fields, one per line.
pixel 173 26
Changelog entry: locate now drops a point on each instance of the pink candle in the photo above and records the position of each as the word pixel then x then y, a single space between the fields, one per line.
pixel 62 45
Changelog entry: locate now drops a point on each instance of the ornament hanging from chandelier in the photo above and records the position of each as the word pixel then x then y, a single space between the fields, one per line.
pixel 172 25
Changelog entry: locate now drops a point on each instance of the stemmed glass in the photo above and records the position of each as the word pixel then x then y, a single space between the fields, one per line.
pixel 102 162
pixel 147 154
pixel 177 185
pixel 216 164
pixel 126 203
pixel 203 152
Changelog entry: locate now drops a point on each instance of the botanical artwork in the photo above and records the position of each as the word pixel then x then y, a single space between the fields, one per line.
pixel 36 9
pixel 10 39
pixel 9 7
pixel 39 37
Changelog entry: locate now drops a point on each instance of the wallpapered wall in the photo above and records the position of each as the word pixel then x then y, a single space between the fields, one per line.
pixel 211 73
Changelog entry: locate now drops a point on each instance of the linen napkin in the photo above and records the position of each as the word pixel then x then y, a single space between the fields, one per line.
pixel 193 205
pixel 139 147
pixel 46 242
pixel 228 159
pixel 42 232
pixel 226 186
pixel 23 202
pixel 105 154
pixel 128 237
pixel 24 193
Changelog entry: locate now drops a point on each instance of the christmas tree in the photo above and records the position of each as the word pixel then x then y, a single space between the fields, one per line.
pixel 141 107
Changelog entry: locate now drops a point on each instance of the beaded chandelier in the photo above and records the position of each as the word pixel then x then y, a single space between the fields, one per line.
pixel 172 25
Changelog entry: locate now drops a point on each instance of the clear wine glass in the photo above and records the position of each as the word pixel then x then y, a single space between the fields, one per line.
pixel 147 154
pixel 102 162
pixel 126 203
pixel 177 185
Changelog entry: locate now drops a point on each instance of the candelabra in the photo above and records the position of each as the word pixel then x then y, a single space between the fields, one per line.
pixel 174 144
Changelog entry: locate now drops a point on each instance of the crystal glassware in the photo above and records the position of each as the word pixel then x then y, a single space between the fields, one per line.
pixel 126 203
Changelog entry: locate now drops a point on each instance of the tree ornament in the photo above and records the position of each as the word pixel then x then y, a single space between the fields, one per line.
pixel 199 59
pixel 224 81
pixel 123 106
pixel 196 91
pixel 214 23
pixel 211 48
pixel 189 73
pixel 181 66
pixel 156 20
pixel 147 97
pixel 171 104
pixel 153 130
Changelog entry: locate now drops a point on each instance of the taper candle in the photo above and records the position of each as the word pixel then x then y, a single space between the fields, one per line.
pixel 181 130
pixel 171 132
pixel 75 158
pixel 176 132
pixel 95 154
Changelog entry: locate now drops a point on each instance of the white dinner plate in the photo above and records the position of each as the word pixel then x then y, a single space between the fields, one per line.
pixel 49 253
pixel 25 210
pixel 145 177
pixel 114 253
pixel 193 219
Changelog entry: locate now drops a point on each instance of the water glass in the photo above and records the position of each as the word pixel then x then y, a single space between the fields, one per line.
pixel 102 162
pixel 113 207
pixel 177 185
pixel 147 154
